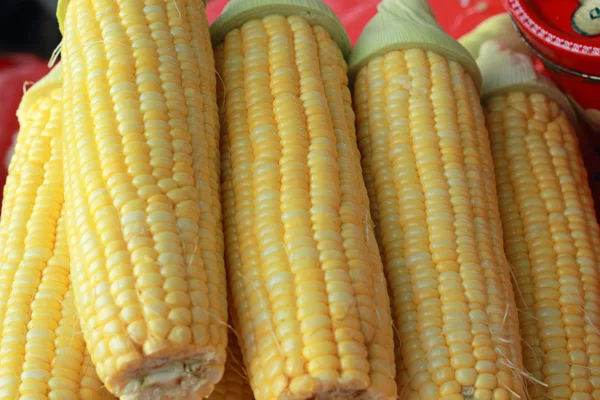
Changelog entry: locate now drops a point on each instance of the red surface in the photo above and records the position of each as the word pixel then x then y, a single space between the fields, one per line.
pixel 456 16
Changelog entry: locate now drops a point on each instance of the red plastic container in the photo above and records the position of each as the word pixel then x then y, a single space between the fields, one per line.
pixel 554 29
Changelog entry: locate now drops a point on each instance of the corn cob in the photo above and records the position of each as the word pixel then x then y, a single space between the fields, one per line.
pixel 304 271
pixel 42 353
pixel 234 385
pixel 426 154
pixel 551 233
pixel 142 184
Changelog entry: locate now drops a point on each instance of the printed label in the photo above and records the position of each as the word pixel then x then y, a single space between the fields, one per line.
pixel 586 19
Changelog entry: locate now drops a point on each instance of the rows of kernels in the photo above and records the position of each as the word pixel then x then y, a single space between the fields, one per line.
pixel 549 229
pixel 73 375
pixel 90 386
pixel 148 223
pixel 359 240
pixel 423 144
pixel 373 97
pixel 289 158
pixel 8 202
pixel 208 81
pixel 516 250
pixel 382 101
pixel 46 310
pixel 439 175
pixel 271 172
pixel 459 153
pixel 245 281
pixel 265 181
pixel 337 313
pixel 234 385
pixel 87 237
pixel 205 239
pixel 504 319
pixel 18 199
pixel 41 179
pixel 293 203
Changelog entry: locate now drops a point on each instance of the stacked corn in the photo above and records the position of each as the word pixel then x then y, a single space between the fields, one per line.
pixel 142 177
pixel 308 290
pixel 428 168
pixel 42 352
pixel 551 232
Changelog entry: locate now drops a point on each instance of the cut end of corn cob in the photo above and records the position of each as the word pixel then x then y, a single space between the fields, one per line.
pixel 174 376
pixel 238 12
pixel 506 63
pixel 142 176
pixel 310 299
pixel 403 25
pixel 493 28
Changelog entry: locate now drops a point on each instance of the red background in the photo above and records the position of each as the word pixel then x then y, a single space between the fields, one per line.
pixel 457 17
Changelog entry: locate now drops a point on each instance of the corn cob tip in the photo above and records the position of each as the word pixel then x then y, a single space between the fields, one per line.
pixel 238 12
pixel 505 68
pixel 44 85
pixel 493 27
pixel 406 24
pixel 506 62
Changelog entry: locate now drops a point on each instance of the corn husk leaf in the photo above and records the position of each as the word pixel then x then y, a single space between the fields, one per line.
pixel 408 24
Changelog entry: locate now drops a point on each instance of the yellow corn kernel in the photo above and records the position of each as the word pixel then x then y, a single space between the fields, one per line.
pixel 552 240
pixel 42 353
pixel 234 385
pixel 142 183
pixel 305 275
pixel 426 153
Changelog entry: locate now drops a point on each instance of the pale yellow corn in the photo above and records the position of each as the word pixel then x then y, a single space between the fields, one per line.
pixel 304 269
pixel 552 240
pixel 234 385
pixel 42 353
pixel 427 162
pixel 142 184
